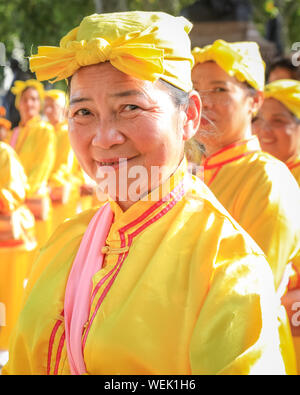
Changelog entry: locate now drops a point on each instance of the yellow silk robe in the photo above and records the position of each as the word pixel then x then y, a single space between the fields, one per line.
pixel 61 178
pixel 36 148
pixel 191 294
pixel 15 247
pixel 262 196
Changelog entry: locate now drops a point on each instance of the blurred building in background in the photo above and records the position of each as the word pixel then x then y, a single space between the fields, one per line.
pixel 230 20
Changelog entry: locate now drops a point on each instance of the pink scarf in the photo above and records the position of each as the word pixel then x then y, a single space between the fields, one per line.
pixel 14 137
pixel 88 261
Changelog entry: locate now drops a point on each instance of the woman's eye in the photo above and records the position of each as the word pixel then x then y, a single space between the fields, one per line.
pixel 219 89
pixel 131 107
pixel 82 112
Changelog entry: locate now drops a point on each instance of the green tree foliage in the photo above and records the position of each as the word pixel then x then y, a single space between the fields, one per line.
pixel 289 13
pixel 44 22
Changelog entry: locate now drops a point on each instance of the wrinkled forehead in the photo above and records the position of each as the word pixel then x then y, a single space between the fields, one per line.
pixel 105 79
pixel 210 72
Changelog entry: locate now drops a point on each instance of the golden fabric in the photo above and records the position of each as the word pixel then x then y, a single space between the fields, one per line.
pixel 239 59
pixel 192 294
pixel 17 238
pixel 36 148
pixel 20 86
pixel 61 179
pixel 287 92
pixel 145 45
pixel 252 186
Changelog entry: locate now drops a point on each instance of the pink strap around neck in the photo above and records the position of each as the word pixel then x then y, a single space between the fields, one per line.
pixel 87 262
pixel 14 137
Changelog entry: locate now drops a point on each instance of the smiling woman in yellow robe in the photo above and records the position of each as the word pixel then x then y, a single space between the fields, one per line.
pixel 160 279
pixel 256 188
pixel 277 126
pixel 35 143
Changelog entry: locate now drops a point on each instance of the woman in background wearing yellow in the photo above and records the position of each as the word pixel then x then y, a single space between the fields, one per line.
pixel 160 279
pixel 277 126
pixel 257 189
pixel 17 238
pixel 64 192
pixel 35 143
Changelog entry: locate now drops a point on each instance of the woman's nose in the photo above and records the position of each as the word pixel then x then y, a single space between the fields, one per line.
pixel 107 135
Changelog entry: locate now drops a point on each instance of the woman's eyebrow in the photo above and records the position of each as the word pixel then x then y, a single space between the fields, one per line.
pixel 79 100
pixel 131 92
pixel 219 82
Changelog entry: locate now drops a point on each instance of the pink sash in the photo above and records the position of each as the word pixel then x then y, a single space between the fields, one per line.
pixel 14 137
pixel 88 261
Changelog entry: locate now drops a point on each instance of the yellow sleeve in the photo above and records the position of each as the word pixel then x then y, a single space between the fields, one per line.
pixel 240 335
pixel 61 172
pixel 13 181
pixel 39 156
pixel 271 216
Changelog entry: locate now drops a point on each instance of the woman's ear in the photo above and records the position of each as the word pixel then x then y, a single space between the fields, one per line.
pixel 257 100
pixel 192 115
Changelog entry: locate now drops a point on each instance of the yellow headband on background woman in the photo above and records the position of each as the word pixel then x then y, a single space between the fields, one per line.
pixel 20 86
pixel 240 59
pixel 287 92
pixel 145 45
pixel 58 96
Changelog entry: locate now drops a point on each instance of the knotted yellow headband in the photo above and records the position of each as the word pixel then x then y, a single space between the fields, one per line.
pixel 241 60
pixel 287 92
pixel 58 96
pixel 20 86
pixel 145 45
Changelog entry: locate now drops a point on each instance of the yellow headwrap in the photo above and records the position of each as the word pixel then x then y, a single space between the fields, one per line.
pixel 241 60
pixel 287 92
pixel 20 86
pixel 145 45
pixel 57 95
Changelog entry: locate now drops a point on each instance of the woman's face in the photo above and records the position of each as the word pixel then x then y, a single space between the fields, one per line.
pixel 227 106
pixel 277 130
pixel 30 104
pixel 53 111
pixel 120 126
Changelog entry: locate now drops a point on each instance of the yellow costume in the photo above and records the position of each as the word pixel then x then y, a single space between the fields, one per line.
pixel 36 148
pixel 183 289
pixel 249 184
pixel 188 293
pixel 61 179
pixel 288 93
pixel 17 239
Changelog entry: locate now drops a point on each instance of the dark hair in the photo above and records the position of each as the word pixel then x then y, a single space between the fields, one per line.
pixel 179 96
pixel 284 63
